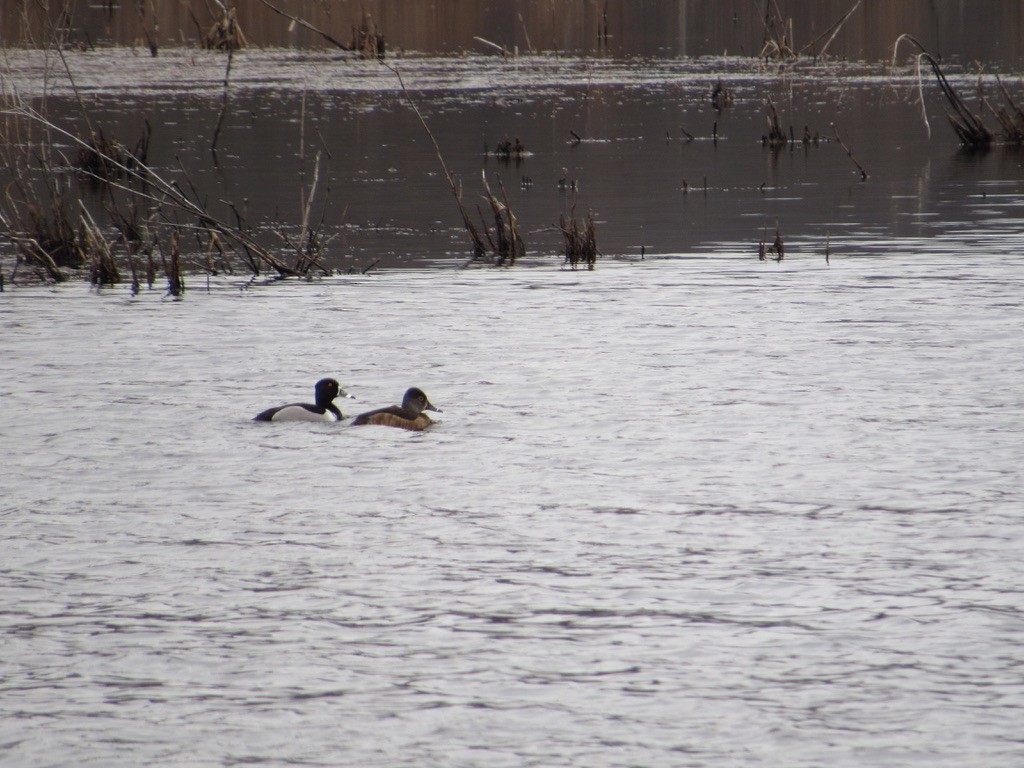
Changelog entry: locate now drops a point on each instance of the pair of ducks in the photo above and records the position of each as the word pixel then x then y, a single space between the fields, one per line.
pixel 409 415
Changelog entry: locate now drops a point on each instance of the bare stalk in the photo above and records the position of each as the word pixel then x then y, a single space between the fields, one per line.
pixel 479 247
pixel 834 29
pixel 303 23
pixel 224 102
pixel 863 173
pixel 166 192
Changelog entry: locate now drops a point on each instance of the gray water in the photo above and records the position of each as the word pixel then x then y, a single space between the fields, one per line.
pixel 693 511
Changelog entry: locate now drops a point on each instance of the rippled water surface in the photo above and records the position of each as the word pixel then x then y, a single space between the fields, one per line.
pixel 681 512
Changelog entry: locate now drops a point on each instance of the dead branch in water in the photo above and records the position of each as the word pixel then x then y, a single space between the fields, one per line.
pixel 152 189
pixel 39 219
pixel 777 246
pixel 834 29
pixel 172 268
pixel 526 34
pixel 223 103
pixel 226 33
pixel 502 49
pixel 506 243
pixel 479 246
pixel 776 138
pixel 863 173
pixel 311 246
pixel 1010 120
pixel 93 157
pixel 580 239
pixel 367 40
pixel 969 127
pixel 102 267
pixel 779 40
pixel 778 34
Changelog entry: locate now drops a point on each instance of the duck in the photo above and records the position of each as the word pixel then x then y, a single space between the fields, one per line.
pixel 323 409
pixel 409 415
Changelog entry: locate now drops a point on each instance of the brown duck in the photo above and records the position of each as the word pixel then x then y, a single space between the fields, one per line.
pixel 409 415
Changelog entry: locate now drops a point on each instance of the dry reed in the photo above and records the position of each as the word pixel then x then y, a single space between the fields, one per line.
pixel 580 239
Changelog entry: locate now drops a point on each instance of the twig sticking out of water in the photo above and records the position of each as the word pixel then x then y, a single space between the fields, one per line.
pixel 1011 121
pixel 776 138
pixel 223 103
pixel 40 220
pixel 102 267
pixel 303 23
pixel 310 248
pixel 969 127
pixel 479 246
pixel 506 244
pixel 93 156
pixel 580 239
pixel 226 33
pixel 150 42
pixel 778 34
pixel 834 29
pixel 47 245
pixel 172 268
pixel 367 39
pixel 169 196
pixel 863 173
pixel 777 246
pixel 500 48
pixel 526 33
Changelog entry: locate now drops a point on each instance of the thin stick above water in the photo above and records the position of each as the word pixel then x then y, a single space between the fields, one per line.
pixel 303 23
pixel 223 103
pixel 479 246
pixel 863 173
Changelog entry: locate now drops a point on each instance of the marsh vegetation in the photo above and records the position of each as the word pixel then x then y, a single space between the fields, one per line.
pixel 337 153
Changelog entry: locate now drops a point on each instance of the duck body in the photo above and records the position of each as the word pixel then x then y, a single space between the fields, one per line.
pixel 409 415
pixel 323 409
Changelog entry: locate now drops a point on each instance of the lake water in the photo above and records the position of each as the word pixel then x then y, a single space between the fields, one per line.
pixel 689 509
pixel 384 201
pixel 694 511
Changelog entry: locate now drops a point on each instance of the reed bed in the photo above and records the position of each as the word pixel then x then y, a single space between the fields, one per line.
pixel 969 124
pixel 580 239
